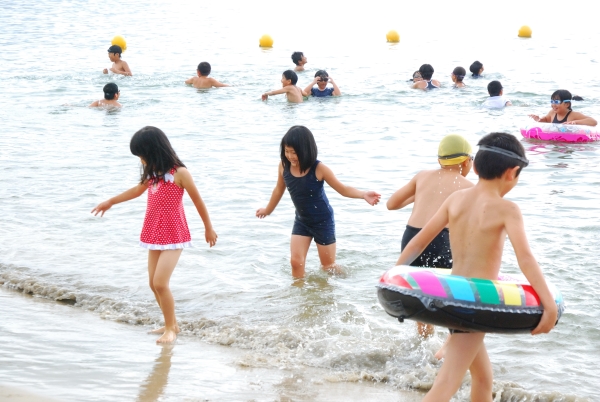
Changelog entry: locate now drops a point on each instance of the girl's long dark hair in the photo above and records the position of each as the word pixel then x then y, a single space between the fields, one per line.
pixel 301 139
pixel 153 146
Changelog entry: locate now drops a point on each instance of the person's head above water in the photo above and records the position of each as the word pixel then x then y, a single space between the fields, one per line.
pixel 497 153
pixel 459 73
pixel 417 76
pixel 563 96
pixel 495 88
pixel 204 68
pixel 300 140
pixel 298 58
pixel 454 149
pixel 110 91
pixel 291 76
pixel 158 157
pixel 476 68
pixel 426 71
pixel 115 49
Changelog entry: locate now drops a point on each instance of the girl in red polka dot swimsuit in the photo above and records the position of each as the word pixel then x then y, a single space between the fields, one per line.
pixel 165 233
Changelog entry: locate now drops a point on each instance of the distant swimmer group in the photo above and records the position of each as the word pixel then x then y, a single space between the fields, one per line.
pixel 561 100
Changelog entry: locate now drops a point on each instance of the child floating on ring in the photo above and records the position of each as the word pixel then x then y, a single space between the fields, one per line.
pixel 562 113
pixel 321 79
pixel 111 96
pixel 202 80
pixel 292 92
pixel 119 66
pixel 427 191
pixel 479 219
pixel 303 175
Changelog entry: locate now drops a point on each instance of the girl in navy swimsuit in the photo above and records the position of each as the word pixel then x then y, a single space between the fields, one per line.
pixel 303 175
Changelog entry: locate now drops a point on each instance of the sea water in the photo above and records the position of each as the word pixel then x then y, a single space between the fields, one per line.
pixel 60 159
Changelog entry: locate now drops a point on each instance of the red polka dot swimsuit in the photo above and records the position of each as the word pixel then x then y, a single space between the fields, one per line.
pixel 165 227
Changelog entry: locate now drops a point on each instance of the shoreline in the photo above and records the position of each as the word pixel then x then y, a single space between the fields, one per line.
pixel 70 353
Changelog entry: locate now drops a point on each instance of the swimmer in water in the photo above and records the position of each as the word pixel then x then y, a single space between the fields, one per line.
pixel 299 60
pixel 497 100
pixel 111 96
pixel 562 113
pixel 476 69
pixel 202 80
pixel 426 71
pixel 293 93
pixel 119 66
pixel 458 74
pixel 321 80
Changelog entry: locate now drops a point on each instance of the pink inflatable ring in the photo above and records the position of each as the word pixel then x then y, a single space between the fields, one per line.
pixel 561 132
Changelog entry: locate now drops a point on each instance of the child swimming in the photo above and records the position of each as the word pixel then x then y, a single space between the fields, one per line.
pixel 119 66
pixel 202 80
pixel 476 69
pixel 293 93
pixel 427 191
pixel 165 232
pixel 426 71
pixel 321 79
pixel 497 100
pixel 477 237
pixel 111 96
pixel 562 113
pixel 299 60
pixel 303 175
pixel 458 74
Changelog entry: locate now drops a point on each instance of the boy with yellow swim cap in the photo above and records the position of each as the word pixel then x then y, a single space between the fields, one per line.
pixel 428 190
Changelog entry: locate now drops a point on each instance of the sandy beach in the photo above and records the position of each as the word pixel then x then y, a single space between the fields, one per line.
pixel 61 353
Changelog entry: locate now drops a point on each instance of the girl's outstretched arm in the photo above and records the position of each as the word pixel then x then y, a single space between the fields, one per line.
pixel 275 197
pixel 404 196
pixel 184 179
pixel 324 173
pixel 130 194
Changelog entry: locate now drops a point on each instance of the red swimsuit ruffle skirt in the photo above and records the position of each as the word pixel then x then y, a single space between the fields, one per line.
pixel 165 226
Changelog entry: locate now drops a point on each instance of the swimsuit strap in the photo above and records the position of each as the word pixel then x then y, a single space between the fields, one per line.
pixel 504 152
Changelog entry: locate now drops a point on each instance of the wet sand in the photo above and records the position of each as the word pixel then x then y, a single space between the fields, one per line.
pixel 56 352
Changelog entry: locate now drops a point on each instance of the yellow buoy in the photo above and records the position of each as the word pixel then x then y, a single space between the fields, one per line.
pixel 525 32
pixel 119 41
pixel 265 41
pixel 393 36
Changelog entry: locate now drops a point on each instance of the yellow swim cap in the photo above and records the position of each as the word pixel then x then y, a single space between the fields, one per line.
pixel 453 149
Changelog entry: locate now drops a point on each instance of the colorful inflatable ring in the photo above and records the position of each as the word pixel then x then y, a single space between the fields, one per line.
pixel 561 132
pixel 434 296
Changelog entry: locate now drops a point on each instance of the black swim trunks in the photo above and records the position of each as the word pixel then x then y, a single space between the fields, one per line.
pixel 436 255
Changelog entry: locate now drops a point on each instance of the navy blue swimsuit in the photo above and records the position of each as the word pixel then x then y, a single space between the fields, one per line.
pixel 320 94
pixel 314 215
pixel 430 85
pixel 556 121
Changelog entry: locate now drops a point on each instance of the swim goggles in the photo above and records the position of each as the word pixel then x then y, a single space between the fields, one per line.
pixel 558 101
pixel 504 152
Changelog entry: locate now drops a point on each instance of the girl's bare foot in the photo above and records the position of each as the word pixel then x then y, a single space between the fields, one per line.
pixel 169 336
pixel 161 330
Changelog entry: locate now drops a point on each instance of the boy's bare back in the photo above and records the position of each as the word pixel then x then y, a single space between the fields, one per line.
pixel 431 188
pixel 204 82
pixel 294 94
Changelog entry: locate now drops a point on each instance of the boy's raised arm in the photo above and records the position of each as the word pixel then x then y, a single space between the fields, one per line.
pixel 415 247
pixel 515 230
pixel 404 196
